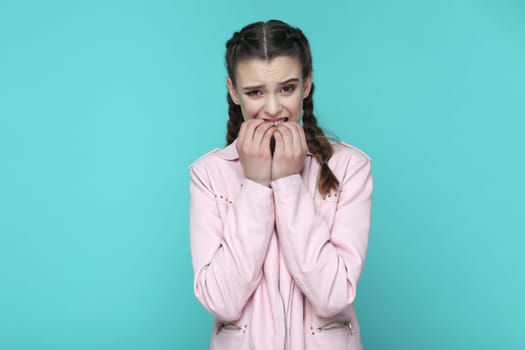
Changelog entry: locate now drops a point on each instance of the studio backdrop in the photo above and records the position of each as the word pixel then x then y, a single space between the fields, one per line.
pixel 105 104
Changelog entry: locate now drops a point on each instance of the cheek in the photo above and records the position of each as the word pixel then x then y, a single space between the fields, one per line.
pixel 295 107
pixel 249 109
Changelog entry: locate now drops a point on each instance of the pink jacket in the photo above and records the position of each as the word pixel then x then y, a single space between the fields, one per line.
pixel 278 267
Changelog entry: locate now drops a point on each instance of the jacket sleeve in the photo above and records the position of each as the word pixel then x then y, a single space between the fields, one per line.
pixel 326 262
pixel 227 254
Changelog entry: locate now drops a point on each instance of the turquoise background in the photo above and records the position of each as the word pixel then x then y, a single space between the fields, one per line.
pixel 104 104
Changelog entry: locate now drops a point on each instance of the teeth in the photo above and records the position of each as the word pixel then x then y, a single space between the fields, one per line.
pixel 279 122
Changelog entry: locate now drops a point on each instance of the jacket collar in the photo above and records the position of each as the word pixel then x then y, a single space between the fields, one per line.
pixel 230 152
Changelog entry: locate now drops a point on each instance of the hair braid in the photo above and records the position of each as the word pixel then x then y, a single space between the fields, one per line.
pixel 234 122
pixel 320 147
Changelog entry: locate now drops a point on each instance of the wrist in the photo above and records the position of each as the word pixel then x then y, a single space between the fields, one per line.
pixel 264 182
pixel 286 183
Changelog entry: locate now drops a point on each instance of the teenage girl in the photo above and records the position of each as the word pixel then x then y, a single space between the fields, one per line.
pixel 279 218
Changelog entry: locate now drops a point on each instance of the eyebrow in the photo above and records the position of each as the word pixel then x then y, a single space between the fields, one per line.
pixel 255 87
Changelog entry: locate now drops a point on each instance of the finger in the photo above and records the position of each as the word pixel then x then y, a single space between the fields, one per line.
pixel 302 137
pixel 279 142
pixel 267 137
pixel 241 135
pixel 268 132
pixel 251 126
pixel 299 137
pixel 287 137
pixel 294 132
pixel 260 132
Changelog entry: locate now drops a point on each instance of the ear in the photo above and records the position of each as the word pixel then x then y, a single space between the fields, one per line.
pixel 232 91
pixel 307 86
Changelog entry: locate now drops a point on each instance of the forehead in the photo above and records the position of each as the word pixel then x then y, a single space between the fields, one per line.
pixel 259 71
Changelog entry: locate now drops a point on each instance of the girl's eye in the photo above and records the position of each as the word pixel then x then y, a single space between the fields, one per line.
pixel 288 89
pixel 254 93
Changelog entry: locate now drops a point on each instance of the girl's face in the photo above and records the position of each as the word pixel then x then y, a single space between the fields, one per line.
pixel 270 90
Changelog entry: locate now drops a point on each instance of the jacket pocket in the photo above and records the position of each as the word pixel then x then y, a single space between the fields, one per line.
pixel 223 326
pixel 332 334
pixel 228 335
pixel 334 326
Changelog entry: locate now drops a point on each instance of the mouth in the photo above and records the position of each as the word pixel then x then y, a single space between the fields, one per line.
pixel 276 121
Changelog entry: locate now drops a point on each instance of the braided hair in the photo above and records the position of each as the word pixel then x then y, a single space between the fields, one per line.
pixel 267 40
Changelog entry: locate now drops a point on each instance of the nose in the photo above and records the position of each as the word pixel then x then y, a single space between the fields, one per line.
pixel 272 105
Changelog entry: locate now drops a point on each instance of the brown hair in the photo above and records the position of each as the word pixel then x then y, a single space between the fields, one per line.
pixel 267 40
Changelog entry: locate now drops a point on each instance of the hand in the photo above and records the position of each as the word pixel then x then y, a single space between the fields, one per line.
pixel 253 145
pixel 290 150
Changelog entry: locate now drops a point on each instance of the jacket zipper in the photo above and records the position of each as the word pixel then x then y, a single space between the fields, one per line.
pixel 330 326
pixel 284 319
